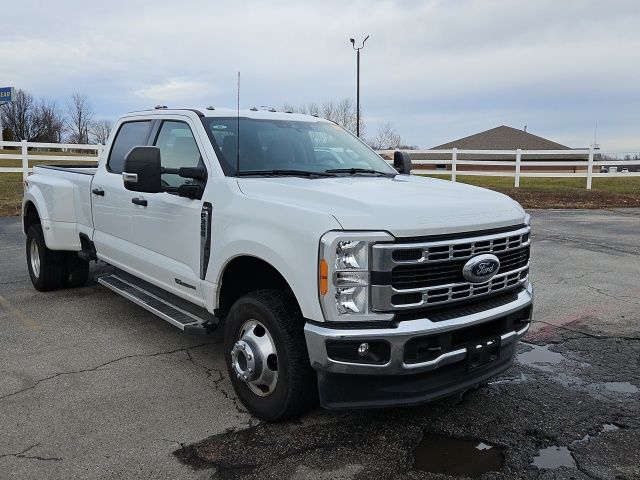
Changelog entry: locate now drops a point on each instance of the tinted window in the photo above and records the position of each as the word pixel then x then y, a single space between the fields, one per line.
pixel 131 134
pixel 178 149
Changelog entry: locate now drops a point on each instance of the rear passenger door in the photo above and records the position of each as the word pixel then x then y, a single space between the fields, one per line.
pixel 168 227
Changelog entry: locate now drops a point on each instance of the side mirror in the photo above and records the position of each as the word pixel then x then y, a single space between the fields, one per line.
pixel 142 170
pixel 402 162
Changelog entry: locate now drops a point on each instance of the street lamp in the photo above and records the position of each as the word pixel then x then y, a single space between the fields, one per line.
pixel 357 49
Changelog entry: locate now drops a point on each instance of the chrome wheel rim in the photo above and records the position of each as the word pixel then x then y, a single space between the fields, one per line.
pixel 34 257
pixel 254 358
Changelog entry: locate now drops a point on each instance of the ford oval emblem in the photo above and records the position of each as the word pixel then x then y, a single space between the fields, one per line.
pixel 481 268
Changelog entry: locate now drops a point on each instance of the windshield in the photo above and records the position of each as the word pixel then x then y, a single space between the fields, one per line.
pixel 281 147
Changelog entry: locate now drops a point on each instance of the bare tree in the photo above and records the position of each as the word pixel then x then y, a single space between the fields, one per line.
pixel 48 122
pixel 100 130
pixel 17 116
pixel 342 112
pixel 80 118
pixel 386 138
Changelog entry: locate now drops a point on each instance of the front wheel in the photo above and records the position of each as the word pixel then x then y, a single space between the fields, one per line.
pixel 266 356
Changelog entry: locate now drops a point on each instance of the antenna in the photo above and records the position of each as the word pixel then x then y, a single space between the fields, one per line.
pixel 238 134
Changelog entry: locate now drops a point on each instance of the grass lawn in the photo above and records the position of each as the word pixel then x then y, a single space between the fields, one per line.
pixel 11 187
pixel 533 192
pixel 562 192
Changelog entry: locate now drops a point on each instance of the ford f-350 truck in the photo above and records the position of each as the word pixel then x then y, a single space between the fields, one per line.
pixel 334 275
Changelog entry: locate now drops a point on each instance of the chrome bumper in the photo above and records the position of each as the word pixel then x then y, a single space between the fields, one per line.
pixel 317 336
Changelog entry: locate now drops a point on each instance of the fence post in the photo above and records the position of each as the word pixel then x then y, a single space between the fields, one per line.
pixel 590 168
pixel 454 158
pixel 518 160
pixel 25 160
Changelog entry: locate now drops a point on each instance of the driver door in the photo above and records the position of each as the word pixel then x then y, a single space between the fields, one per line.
pixel 168 227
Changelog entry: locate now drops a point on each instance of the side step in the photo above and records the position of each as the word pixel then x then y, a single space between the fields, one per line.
pixel 135 291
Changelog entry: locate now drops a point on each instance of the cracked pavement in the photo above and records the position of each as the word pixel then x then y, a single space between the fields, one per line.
pixel 93 386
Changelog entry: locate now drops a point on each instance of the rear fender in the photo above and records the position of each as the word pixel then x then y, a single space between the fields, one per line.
pixel 53 199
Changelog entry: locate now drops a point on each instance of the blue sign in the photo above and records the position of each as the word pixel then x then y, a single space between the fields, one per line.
pixel 6 94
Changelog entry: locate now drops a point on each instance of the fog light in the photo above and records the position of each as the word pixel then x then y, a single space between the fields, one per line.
pixel 363 349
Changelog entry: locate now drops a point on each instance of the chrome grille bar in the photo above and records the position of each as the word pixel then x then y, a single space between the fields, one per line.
pixel 385 258
pixel 445 250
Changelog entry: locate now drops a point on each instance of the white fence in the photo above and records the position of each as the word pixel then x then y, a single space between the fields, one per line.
pixel 516 159
pixel 64 152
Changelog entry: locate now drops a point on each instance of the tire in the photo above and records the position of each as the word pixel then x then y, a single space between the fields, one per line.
pixel 46 267
pixel 76 271
pixel 296 388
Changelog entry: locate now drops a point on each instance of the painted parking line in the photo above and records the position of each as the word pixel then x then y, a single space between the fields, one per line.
pixel 29 322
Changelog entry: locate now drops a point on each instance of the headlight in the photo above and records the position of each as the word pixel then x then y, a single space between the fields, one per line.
pixel 527 219
pixel 344 275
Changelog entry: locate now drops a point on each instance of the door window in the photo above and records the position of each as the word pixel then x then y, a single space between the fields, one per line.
pixel 130 134
pixel 178 149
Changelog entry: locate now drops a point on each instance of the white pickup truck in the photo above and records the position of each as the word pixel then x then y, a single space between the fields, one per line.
pixel 334 275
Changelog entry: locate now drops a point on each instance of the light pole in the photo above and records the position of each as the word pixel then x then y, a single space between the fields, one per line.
pixel 357 49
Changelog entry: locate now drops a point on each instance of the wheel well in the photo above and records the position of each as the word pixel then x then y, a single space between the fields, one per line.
pixel 31 216
pixel 247 274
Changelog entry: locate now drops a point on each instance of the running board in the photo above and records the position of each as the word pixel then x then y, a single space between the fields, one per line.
pixel 187 321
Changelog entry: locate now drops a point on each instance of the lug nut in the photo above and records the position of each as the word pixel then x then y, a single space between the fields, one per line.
pixel 251 370
pixel 248 357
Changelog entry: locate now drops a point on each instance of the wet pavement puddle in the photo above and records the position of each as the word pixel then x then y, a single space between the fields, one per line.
pixel 554 457
pixel 454 456
pixel 540 357
pixel 620 387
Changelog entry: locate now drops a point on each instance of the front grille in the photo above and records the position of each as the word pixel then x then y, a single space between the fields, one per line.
pixel 406 277
pixel 413 276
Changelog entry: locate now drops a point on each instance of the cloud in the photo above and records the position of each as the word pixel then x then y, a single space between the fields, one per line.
pixel 174 90
pixel 437 69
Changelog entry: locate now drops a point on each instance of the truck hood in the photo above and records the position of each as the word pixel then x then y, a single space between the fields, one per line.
pixel 405 206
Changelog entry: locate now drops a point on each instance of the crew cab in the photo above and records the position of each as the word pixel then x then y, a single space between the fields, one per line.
pixel 336 277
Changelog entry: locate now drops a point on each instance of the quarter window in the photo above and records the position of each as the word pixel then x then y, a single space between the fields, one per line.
pixel 178 148
pixel 130 134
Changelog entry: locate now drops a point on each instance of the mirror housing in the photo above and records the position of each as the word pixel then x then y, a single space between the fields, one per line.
pixel 142 171
pixel 402 162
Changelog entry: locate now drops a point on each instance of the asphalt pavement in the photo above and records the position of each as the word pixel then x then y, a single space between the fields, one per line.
pixel 92 386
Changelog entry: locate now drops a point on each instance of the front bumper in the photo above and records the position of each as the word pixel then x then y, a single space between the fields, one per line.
pixel 397 381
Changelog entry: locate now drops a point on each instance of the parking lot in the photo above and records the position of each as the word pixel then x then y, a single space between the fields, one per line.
pixel 92 386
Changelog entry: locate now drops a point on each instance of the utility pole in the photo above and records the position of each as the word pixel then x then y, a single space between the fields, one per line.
pixel 357 49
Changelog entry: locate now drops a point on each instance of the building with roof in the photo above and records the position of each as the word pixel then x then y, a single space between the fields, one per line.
pixel 503 138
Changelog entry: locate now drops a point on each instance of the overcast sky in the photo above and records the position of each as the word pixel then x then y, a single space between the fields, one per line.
pixel 438 70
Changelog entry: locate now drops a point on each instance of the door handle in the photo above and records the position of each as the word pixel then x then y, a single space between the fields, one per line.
pixel 139 201
pixel 98 191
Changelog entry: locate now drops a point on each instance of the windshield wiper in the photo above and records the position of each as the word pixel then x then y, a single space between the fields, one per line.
pixel 285 173
pixel 355 171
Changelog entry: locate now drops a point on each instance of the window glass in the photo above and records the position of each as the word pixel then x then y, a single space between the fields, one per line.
pixel 130 134
pixel 288 145
pixel 178 148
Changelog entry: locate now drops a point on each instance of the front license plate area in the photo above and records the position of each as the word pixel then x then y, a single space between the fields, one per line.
pixel 482 353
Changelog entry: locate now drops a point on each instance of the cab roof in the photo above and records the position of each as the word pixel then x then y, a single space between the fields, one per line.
pixel 231 112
